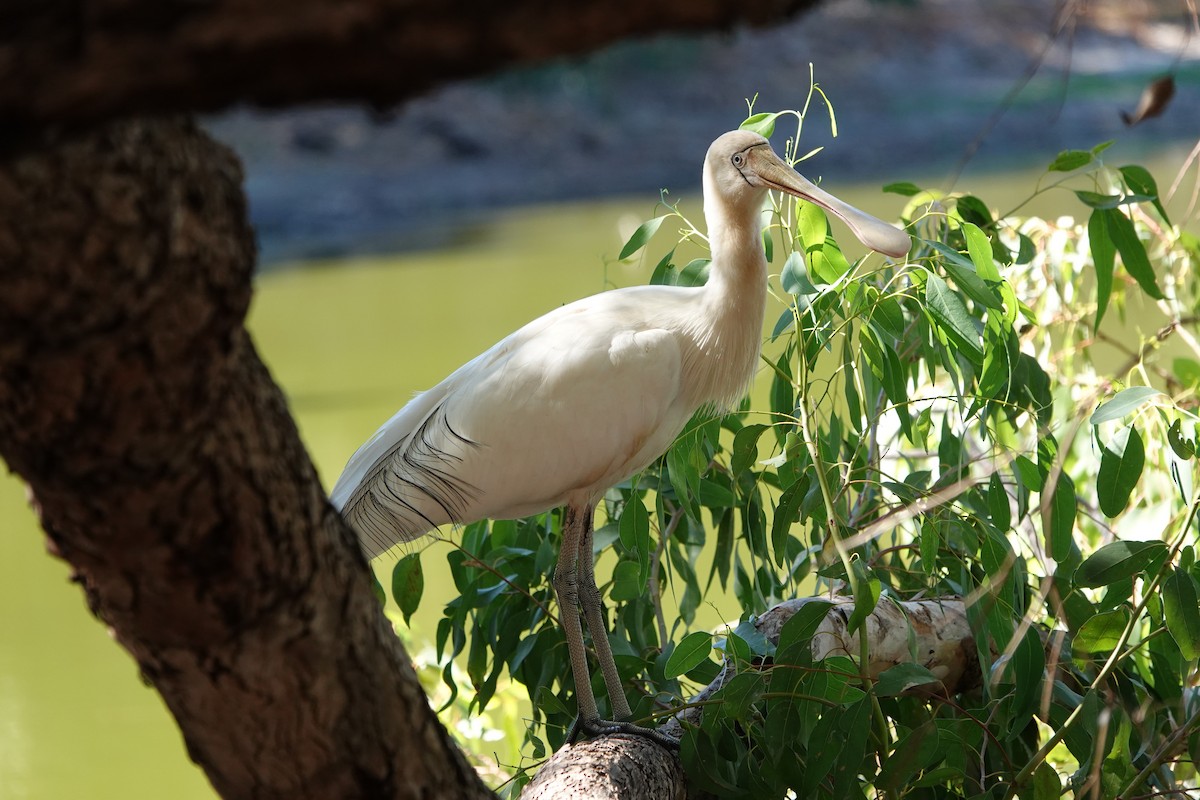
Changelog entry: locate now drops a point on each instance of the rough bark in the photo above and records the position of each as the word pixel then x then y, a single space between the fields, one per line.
pixel 168 473
pixel 65 61
pixel 617 767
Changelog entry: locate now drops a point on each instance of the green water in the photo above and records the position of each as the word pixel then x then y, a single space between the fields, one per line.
pixel 349 343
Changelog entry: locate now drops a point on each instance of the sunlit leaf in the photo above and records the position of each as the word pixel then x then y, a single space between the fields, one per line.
pixel 1069 160
pixel 794 276
pixel 762 124
pixel 641 236
pixel 904 188
pixel 1102 632
pixel 1124 402
pixel 1117 560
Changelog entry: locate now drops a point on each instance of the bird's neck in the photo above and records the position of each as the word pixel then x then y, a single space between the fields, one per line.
pixel 733 301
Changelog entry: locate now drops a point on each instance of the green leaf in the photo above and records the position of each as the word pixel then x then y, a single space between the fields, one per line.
pixel 794 276
pixel 745 448
pixel 1182 612
pixel 408 584
pixel 1118 560
pixel 1069 160
pixel 1100 202
pixel 738 697
pixel 952 317
pixel 895 680
pixel 797 632
pixel 1062 519
pixel 999 503
pixel 694 273
pixel 1184 448
pixel 1046 784
pixel 1028 474
pixel 688 654
pixel 626 582
pixel 642 235
pixel 964 273
pixel 1120 472
pixel 1102 632
pixel 865 598
pixel 1124 402
pixel 785 515
pixel 762 124
pixel 634 526
pixel 980 250
pixel 905 188
pixel 1104 258
pixel 1133 252
pixel 1140 180
pixel 974 210
pixel 919 749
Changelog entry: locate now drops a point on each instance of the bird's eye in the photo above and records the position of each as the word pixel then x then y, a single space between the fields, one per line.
pixel 738 160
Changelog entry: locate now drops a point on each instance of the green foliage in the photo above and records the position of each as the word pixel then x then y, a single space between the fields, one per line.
pixel 917 434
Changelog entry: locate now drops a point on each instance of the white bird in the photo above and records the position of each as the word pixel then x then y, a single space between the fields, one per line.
pixel 584 397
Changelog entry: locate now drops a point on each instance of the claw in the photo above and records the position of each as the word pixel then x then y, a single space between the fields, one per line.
pixel 604 727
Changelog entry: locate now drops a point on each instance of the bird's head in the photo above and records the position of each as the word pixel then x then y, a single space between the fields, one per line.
pixel 741 166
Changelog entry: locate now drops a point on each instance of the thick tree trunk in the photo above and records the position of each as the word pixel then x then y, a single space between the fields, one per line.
pixel 66 61
pixel 167 471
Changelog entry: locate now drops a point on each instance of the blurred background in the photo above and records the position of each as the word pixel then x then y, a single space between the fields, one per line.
pixel 397 243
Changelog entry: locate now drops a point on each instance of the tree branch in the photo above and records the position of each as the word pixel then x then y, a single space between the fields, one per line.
pixel 66 62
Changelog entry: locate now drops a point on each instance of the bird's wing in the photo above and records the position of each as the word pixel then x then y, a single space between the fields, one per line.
pixel 571 403
pixel 568 412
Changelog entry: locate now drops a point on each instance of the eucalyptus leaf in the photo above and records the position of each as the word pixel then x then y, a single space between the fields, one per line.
pixel 1124 402
pixel 1182 612
pixel 1118 560
pixel 688 654
pixel 1119 473
pixel 408 584
pixel 1103 632
pixel 641 236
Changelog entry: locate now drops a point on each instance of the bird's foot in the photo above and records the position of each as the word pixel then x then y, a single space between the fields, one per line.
pixel 603 727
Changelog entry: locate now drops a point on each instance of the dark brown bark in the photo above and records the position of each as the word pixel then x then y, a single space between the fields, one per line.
pixel 167 471
pixel 66 61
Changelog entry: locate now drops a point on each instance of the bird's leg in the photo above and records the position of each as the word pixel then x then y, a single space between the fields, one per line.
pixel 575 585
pixel 593 613
pixel 566 588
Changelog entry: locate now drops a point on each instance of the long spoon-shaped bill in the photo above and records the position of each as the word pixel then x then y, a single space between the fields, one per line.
pixel 871 231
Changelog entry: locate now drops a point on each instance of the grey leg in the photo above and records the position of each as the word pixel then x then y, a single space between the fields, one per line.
pixel 593 613
pixel 566 588
pixel 575 587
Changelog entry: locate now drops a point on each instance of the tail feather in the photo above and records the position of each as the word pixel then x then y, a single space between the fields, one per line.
pixel 399 486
